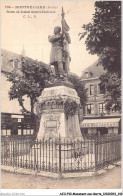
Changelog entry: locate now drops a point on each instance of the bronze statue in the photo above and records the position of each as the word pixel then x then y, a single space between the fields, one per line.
pixel 60 56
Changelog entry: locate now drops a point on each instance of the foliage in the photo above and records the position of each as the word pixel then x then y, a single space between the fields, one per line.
pixel 29 81
pixel 70 107
pixel 79 87
pixel 113 87
pixel 103 35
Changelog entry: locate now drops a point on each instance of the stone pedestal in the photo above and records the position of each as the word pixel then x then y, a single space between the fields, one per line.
pixel 53 119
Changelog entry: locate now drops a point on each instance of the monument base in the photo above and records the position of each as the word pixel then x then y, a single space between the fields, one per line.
pixel 54 122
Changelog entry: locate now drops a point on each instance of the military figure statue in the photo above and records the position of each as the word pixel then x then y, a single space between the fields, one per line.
pixel 60 56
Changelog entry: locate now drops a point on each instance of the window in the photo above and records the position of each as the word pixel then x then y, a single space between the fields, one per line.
pixel 28 131
pixel 15 64
pixel 6 132
pixel 90 109
pixel 91 89
pixel 24 132
pixel 86 74
pixel 101 88
pixel 32 131
pixel 19 132
pixel 83 110
pixel 102 108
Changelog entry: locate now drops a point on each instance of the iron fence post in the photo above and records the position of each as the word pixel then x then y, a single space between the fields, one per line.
pixel 13 155
pixel 60 173
pixel 34 157
pixel 96 155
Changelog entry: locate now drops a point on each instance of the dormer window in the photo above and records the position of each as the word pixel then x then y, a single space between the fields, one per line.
pixel 15 62
pixel 87 74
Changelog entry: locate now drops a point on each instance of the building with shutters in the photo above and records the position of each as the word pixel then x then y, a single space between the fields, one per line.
pixel 12 120
pixel 96 120
pixel 9 62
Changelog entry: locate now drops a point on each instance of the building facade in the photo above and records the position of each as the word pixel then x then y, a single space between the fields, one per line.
pixel 9 61
pixel 96 119
pixel 13 122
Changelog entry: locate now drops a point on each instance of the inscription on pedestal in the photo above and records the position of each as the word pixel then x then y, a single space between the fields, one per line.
pixel 51 124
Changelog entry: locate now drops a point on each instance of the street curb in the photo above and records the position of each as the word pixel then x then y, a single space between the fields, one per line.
pixel 58 175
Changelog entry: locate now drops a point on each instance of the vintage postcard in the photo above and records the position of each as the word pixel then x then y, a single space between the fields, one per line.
pixel 61 97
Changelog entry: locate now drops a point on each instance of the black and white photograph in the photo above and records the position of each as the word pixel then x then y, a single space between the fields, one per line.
pixel 61 97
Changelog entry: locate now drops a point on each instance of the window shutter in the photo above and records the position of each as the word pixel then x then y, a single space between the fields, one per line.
pixel 87 91
pixel 92 109
pixel 95 89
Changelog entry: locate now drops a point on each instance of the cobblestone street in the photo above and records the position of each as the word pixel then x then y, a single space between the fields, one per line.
pixel 110 180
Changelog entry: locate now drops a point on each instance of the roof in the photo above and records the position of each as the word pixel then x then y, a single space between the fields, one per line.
pixel 8 57
pixel 93 70
pixel 7 60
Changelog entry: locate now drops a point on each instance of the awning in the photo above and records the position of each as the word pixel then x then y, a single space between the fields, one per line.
pixel 108 122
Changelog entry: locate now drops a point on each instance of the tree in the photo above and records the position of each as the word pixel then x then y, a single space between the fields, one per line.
pixel 79 87
pixel 32 78
pixel 103 37
pixel 29 81
pixel 112 84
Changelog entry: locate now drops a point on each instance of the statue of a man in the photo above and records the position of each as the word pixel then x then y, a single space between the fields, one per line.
pixel 59 56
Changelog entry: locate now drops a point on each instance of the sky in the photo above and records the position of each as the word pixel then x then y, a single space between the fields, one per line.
pixel 31 30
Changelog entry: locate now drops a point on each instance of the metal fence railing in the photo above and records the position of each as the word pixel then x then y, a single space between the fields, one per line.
pixel 107 150
pixel 60 155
